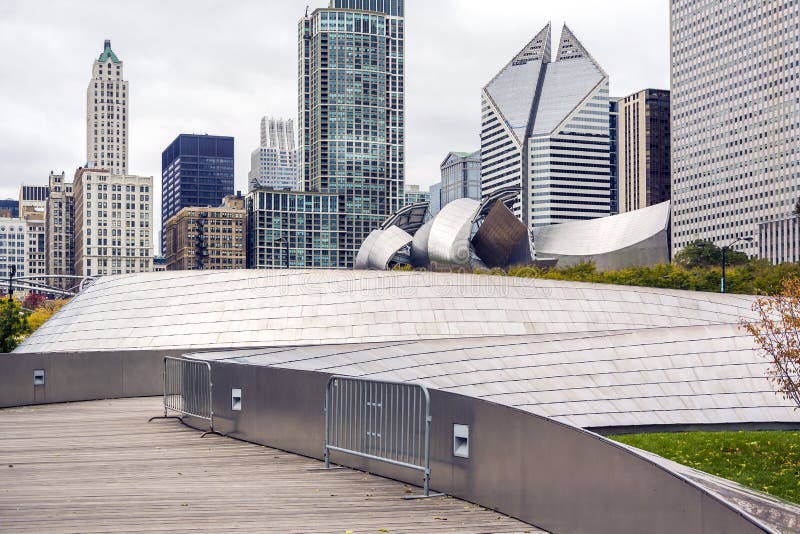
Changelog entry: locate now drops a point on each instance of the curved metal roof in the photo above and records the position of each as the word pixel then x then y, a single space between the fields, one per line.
pixel 694 375
pixel 602 235
pixel 633 238
pixel 586 354
pixel 259 308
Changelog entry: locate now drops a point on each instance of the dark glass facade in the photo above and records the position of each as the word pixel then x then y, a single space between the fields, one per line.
pixel 196 171
pixel 9 206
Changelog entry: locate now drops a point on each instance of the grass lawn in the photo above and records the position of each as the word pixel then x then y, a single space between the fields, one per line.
pixel 768 461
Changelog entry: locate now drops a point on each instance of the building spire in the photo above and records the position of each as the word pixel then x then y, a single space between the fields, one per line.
pixel 570 48
pixel 108 53
pixel 538 49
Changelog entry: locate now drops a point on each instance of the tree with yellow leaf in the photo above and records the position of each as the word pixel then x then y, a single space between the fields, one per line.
pixel 41 314
pixel 777 333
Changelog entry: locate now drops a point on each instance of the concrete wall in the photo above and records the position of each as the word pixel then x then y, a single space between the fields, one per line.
pixel 554 476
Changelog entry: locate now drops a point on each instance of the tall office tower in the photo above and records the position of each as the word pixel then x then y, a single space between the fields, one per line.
pixel 643 150
pixel 545 129
pixel 461 177
pixel 735 99
pixel 613 152
pixel 351 112
pixel 273 165
pixel 107 114
pixel 60 231
pixel 32 205
pixel 208 238
pixel 196 171
pixel 113 223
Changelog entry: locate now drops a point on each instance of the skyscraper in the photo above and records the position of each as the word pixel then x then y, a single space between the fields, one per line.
pixel 735 98
pixel 196 171
pixel 643 149
pixel 351 112
pixel 273 165
pixel 107 114
pixel 545 129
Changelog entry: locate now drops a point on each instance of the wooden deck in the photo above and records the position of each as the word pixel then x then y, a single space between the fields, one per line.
pixel 100 467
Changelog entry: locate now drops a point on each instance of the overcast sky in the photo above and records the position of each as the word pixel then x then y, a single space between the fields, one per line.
pixel 214 66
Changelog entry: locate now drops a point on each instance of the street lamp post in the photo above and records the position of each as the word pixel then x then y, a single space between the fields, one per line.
pixel 724 249
pixel 12 272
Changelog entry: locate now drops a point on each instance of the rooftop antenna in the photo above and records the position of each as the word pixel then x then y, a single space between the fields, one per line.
pixel 306 11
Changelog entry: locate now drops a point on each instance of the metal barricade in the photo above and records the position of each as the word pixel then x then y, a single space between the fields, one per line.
pixel 188 390
pixel 380 420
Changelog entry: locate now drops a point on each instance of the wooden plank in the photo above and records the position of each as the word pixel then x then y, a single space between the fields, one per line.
pixel 99 467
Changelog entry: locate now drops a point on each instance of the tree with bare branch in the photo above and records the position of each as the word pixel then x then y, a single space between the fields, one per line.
pixel 777 333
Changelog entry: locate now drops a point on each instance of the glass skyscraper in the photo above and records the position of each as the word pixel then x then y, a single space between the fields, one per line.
pixel 351 113
pixel 196 171
pixel 735 112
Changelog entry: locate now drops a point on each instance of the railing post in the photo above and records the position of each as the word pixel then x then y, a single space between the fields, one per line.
pixel 327 426
pixel 164 371
pixel 427 481
pixel 210 398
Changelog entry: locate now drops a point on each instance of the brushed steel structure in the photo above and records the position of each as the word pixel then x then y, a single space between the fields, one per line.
pixel 254 308
pixel 389 243
pixel 639 237
pixel 448 242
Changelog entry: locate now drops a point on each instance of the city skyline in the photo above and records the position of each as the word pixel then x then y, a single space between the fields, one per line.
pixel 181 84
